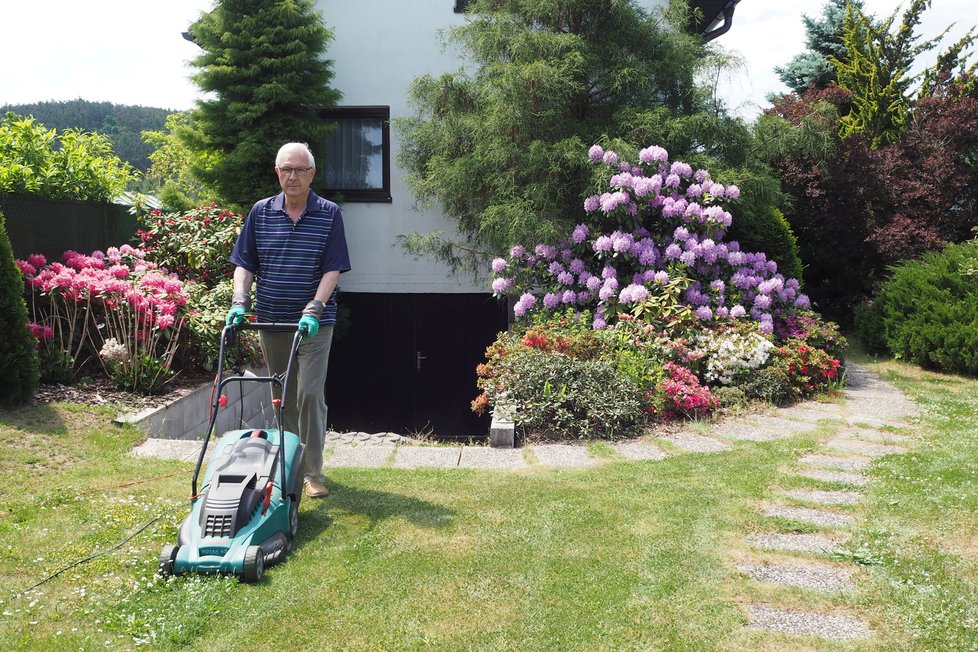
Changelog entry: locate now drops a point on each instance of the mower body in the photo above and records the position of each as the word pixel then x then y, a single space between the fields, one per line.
pixel 242 507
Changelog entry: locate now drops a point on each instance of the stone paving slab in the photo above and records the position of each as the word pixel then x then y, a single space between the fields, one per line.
pixel 364 438
pixel 856 479
pixel 878 436
pixel 824 497
pixel 807 543
pixel 868 449
pixel 412 457
pixel 851 463
pixel 693 443
pixel 801 575
pixel 638 451
pixel 808 515
pixel 169 449
pixel 481 457
pixel 812 411
pixel 565 455
pixel 366 456
pixel 835 627
pixel 747 431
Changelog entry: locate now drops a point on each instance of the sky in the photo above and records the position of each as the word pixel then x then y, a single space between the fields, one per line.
pixel 132 52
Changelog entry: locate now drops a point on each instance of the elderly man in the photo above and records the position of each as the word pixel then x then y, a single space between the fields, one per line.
pixel 294 245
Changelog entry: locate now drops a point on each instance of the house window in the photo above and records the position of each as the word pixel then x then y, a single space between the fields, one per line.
pixel 460 6
pixel 356 165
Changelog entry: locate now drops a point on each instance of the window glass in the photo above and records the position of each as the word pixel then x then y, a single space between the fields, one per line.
pixel 356 161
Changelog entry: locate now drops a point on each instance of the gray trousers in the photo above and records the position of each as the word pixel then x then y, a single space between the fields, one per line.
pixel 305 410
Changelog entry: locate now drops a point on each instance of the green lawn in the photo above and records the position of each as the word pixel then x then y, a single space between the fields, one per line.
pixel 623 556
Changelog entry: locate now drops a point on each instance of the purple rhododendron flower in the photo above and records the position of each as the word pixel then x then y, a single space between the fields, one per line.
pixel 525 303
pixel 704 313
pixel 682 169
pixel 688 257
pixel 609 272
pixel 592 203
pixel 593 283
pixel 672 181
pixel 602 244
pixel 551 300
pixel 596 153
pixel 516 251
pixel 580 233
pixel 610 157
pixel 498 264
pixel 653 154
pixel 546 251
pixel 673 251
pixel 500 285
pixel 565 278
pixel 662 277
pixel 737 311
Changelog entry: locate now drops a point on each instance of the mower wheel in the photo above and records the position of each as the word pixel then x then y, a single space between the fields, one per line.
pixel 254 564
pixel 167 557
pixel 293 520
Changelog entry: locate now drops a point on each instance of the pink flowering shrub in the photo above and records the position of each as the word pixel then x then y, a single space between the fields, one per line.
pixel 682 396
pixel 657 222
pixel 113 307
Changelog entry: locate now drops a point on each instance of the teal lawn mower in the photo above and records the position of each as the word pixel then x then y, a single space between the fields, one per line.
pixel 245 516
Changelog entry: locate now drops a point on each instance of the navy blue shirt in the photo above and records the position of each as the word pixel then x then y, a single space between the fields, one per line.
pixel 289 259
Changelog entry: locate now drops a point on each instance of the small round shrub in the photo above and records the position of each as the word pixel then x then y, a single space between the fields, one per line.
pixel 555 395
pixel 770 384
pixel 929 309
pixel 18 355
pixel 730 397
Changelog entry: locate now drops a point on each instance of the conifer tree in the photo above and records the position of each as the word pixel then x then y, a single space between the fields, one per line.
pixel 876 71
pixel 263 63
pixel 500 145
pixel 823 37
pixel 18 356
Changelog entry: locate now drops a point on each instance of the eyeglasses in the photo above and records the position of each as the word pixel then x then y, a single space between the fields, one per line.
pixel 288 172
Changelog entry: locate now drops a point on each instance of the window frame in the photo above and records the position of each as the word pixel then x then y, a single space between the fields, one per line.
pixel 361 195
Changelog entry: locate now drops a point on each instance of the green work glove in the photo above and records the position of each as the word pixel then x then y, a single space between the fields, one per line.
pixel 235 315
pixel 308 326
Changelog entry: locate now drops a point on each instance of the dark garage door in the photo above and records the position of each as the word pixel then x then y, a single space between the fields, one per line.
pixel 405 363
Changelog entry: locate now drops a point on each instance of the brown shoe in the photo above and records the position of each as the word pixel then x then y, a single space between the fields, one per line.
pixel 316 489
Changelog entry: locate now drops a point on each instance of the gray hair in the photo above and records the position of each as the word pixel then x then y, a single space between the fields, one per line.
pixel 290 146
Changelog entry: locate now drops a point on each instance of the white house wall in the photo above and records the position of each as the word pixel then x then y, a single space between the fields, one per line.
pixel 379 47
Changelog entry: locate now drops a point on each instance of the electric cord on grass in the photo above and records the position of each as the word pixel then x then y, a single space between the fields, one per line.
pixel 91 557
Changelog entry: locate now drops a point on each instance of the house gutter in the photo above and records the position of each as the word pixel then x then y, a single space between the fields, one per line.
pixel 716 28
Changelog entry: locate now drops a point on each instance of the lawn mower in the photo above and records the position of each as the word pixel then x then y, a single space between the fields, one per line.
pixel 246 514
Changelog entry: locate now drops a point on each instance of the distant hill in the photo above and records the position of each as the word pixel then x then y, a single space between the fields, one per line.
pixel 121 123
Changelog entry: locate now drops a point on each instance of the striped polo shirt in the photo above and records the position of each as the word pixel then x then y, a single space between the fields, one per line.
pixel 289 260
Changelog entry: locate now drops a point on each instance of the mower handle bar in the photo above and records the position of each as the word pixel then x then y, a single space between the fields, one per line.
pixel 227 336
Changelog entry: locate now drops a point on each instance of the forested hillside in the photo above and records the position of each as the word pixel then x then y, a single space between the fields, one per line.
pixel 121 123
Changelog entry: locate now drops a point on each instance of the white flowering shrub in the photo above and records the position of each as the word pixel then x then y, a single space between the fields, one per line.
pixel 731 354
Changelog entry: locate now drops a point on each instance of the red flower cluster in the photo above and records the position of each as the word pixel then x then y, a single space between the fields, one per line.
pixel 684 396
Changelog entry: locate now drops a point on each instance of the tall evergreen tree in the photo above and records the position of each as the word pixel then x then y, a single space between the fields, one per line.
pixel 500 146
pixel 18 357
pixel 876 71
pixel 823 38
pixel 263 63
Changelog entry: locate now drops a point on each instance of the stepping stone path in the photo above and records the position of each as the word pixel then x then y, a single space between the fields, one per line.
pixel 870 405
pixel 862 421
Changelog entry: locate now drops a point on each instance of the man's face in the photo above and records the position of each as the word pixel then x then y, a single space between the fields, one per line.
pixel 294 173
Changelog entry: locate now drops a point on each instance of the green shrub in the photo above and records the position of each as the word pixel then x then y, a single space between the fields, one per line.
pixel 69 165
pixel 767 230
pixel 555 395
pixel 868 327
pixel 929 309
pixel 730 397
pixel 18 355
pixel 770 384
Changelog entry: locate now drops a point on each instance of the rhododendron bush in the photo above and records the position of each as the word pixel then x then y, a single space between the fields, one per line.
pixel 112 307
pixel 649 265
